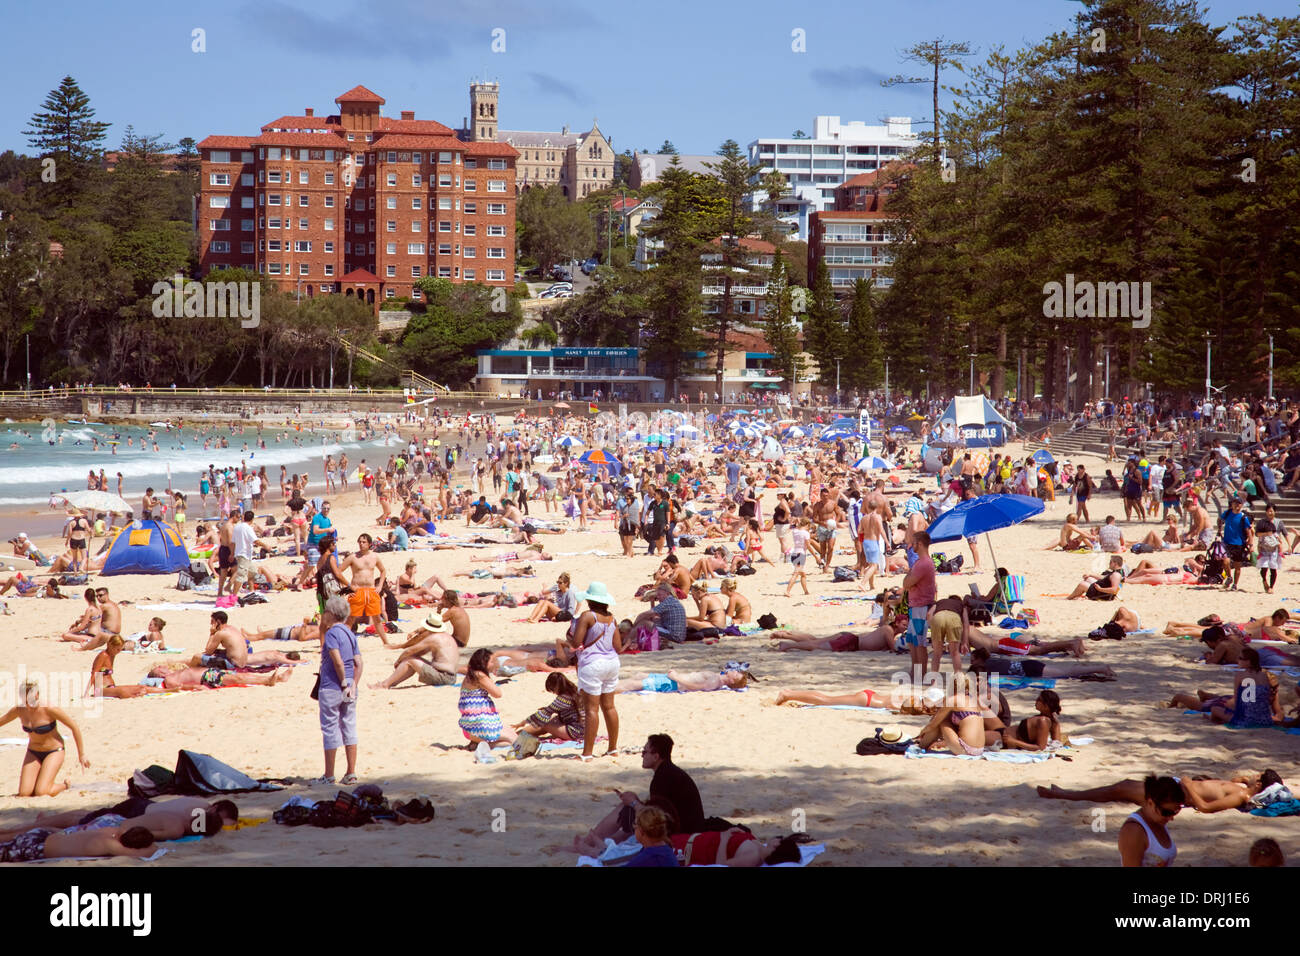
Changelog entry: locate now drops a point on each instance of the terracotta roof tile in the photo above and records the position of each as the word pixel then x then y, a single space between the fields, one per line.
pixel 330 140
pixel 226 142
pixel 359 94
pixel 411 141
pixel 300 122
pixel 491 149
pixel 415 127
pixel 360 275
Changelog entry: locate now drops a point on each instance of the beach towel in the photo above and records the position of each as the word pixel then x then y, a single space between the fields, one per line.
pixel 1021 683
pixel 996 756
pixel 1280 808
pixel 208 606
pixel 866 710
pixel 615 852
pixel 143 859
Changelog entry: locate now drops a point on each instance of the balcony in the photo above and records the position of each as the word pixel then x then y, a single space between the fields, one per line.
pixel 854 260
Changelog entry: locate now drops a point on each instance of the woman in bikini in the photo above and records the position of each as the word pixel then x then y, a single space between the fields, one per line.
pixel 1203 794
pixel 1037 732
pixel 408 590
pixel 964 726
pixel 880 639
pixel 101 683
pixel 739 609
pixel 44 757
pixel 754 542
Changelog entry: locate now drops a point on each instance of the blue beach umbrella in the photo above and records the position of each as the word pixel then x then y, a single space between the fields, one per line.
pixel 873 462
pixel 900 430
pixel 1044 457
pixel 982 515
pixel 569 441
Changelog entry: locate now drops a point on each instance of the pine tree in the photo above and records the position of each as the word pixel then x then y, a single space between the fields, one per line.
pixel 865 368
pixel 824 328
pixel 778 324
pixel 67 132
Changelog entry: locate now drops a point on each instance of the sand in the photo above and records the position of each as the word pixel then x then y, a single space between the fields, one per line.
pixel 770 767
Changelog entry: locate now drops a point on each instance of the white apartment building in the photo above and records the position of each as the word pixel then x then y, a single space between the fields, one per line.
pixel 813 167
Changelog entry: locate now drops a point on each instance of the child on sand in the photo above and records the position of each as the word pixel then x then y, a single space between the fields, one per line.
pixel 479 720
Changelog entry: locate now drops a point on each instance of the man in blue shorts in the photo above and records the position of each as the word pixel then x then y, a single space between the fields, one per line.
pixel 922 588
pixel 1238 536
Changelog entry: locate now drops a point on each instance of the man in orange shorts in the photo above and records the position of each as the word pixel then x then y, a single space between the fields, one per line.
pixel 367 579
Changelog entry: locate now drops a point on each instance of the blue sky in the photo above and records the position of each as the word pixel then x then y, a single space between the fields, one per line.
pixel 693 72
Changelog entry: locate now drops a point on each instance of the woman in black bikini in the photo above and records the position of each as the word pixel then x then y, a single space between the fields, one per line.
pixel 44 757
pixel 101 683
pixel 1035 733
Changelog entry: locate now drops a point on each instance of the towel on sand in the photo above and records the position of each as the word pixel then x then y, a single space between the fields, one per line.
pixel 997 756
pixel 1282 808
pixel 629 847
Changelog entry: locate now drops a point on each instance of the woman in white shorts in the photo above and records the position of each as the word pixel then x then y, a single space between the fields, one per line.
pixel 597 638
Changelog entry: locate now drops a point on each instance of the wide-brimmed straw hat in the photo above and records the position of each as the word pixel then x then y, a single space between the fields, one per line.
pixel 434 622
pixel 892 734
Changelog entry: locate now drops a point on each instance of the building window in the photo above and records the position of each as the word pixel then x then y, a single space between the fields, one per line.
pixel 391 202
pixel 372 202
pixel 444 202
pixel 417 225
pixel 246 248
pixel 390 248
pixel 417 158
pixel 304 177
pixel 415 248
pixel 218 202
pixel 273 176
pixel 392 225
pixel 274 268
pixel 219 156
pixel 496 230
pixel 496 252
pixel 444 157
pixel 392 179
pixel 273 245
pixel 496 275
pixel 329 245
pixel 302 223
pixel 392 157
pixel 219 179
pixel 329 202
pixel 245 225
pixel 302 245
pixel 219 246
pixel 444 226
pixel 471 164
pixel 471 208
pixel 304 200
pixel 329 179
pixel 470 274
pixel 495 209
pixel 219 225
pixel 361 228
pixel 416 202
pixel 444 272
pixel 304 268
pixel 245 202
pixel 273 199
pixel 415 272
pixel 444 180
pixel 471 186
pixel 392 274
pixel 246 179
pixel 329 271
pixel 329 225
pixel 273 224
pixel 416 181
pixel 246 157
pixel 470 252
pixel 470 229
pixel 496 164
pixel 444 249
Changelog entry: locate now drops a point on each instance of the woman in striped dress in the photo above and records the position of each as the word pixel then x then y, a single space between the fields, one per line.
pixel 479 720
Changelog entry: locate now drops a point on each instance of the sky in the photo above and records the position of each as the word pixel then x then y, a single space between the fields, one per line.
pixel 696 73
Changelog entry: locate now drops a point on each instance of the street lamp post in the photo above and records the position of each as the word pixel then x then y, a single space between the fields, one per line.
pixel 837 381
pixel 1270 366
pixel 1207 366
pixel 1067 379
pixel 29 363
pixel 1106 350
pixel 886 381
pixel 972 372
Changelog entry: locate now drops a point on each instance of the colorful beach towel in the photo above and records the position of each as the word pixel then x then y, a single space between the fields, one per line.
pixel 995 756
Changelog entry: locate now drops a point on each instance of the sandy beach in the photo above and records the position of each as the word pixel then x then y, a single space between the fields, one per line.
pixel 767 766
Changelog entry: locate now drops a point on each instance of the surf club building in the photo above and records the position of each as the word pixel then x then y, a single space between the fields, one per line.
pixel 624 373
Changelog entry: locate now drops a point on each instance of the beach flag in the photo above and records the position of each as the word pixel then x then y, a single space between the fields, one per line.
pixel 591 407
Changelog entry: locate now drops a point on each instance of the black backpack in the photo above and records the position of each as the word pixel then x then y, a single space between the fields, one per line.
pixel 844 573
pixel 874 746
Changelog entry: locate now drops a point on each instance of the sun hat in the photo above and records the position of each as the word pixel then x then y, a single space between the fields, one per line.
pixel 434 622
pixel 892 734
pixel 596 591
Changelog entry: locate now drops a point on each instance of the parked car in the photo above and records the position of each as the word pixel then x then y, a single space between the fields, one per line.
pixel 589 266
pixel 559 272
pixel 559 285
pixel 564 294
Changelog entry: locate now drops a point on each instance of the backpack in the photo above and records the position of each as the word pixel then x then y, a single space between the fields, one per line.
pixel 844 573
pixel 686 541
pixel 184 580
pixel 1217 551
pixel 391 605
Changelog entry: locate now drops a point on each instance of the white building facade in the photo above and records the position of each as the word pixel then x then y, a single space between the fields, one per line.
pixel 813 167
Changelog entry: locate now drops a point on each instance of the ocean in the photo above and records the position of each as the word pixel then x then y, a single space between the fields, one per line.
pixel 31 468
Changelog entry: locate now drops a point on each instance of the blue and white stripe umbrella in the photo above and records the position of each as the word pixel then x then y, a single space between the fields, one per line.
pixel 873 463
pixel 748 432
pixel 796 431
pixel 835 434
pixel 569 441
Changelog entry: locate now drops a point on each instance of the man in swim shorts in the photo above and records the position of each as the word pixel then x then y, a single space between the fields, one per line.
pixel 367 578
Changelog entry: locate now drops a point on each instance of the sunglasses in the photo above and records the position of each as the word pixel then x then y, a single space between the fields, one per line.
pixel 1167 813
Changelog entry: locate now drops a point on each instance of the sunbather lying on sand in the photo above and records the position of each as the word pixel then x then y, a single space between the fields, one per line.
pixel 981 662
pixel 308 630
pixel 1204 794
pixel 681 682
pixel 165 819
pixel 180 676
pixel 1259 628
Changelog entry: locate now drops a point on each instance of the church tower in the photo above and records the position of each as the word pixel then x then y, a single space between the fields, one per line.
pixel 483 112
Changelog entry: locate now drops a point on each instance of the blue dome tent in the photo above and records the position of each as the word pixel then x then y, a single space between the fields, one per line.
pixel 146 547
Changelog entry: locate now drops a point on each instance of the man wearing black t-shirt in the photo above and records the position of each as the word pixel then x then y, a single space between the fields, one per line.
pixel 671 787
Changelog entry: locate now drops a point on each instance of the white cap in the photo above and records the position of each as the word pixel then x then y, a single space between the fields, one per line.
pixel 23 535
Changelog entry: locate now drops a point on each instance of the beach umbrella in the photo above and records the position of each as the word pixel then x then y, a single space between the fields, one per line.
pixel 569 441
pixel 687 431
pixel 796 431
pixel 599 458
pixel 561 404
pixel 771 449
pixel 900 430
pixel 658 439
pixel 544 459
pixel 1044 457
pixel 832 433
pixel 873 462
pixel 96 501
pixel 747 432
pixel 983 515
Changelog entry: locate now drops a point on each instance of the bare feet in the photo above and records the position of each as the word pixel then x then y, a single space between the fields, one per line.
pixel 781 697
pixel 1049 792
pixel 281 675
pixel 1076 647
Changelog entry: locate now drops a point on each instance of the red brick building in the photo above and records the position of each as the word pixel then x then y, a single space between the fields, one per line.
pixel 855 238
pixel 358 203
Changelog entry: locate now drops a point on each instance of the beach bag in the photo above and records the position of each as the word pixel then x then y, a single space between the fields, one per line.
pixel 1217 551
pixel 1269 543
pixel 687 541
pixel 749 569
pixel 184 580
pixel 647 638
pixel 200 573
pixel 844 573
pixel 874 746
pixel 768 622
